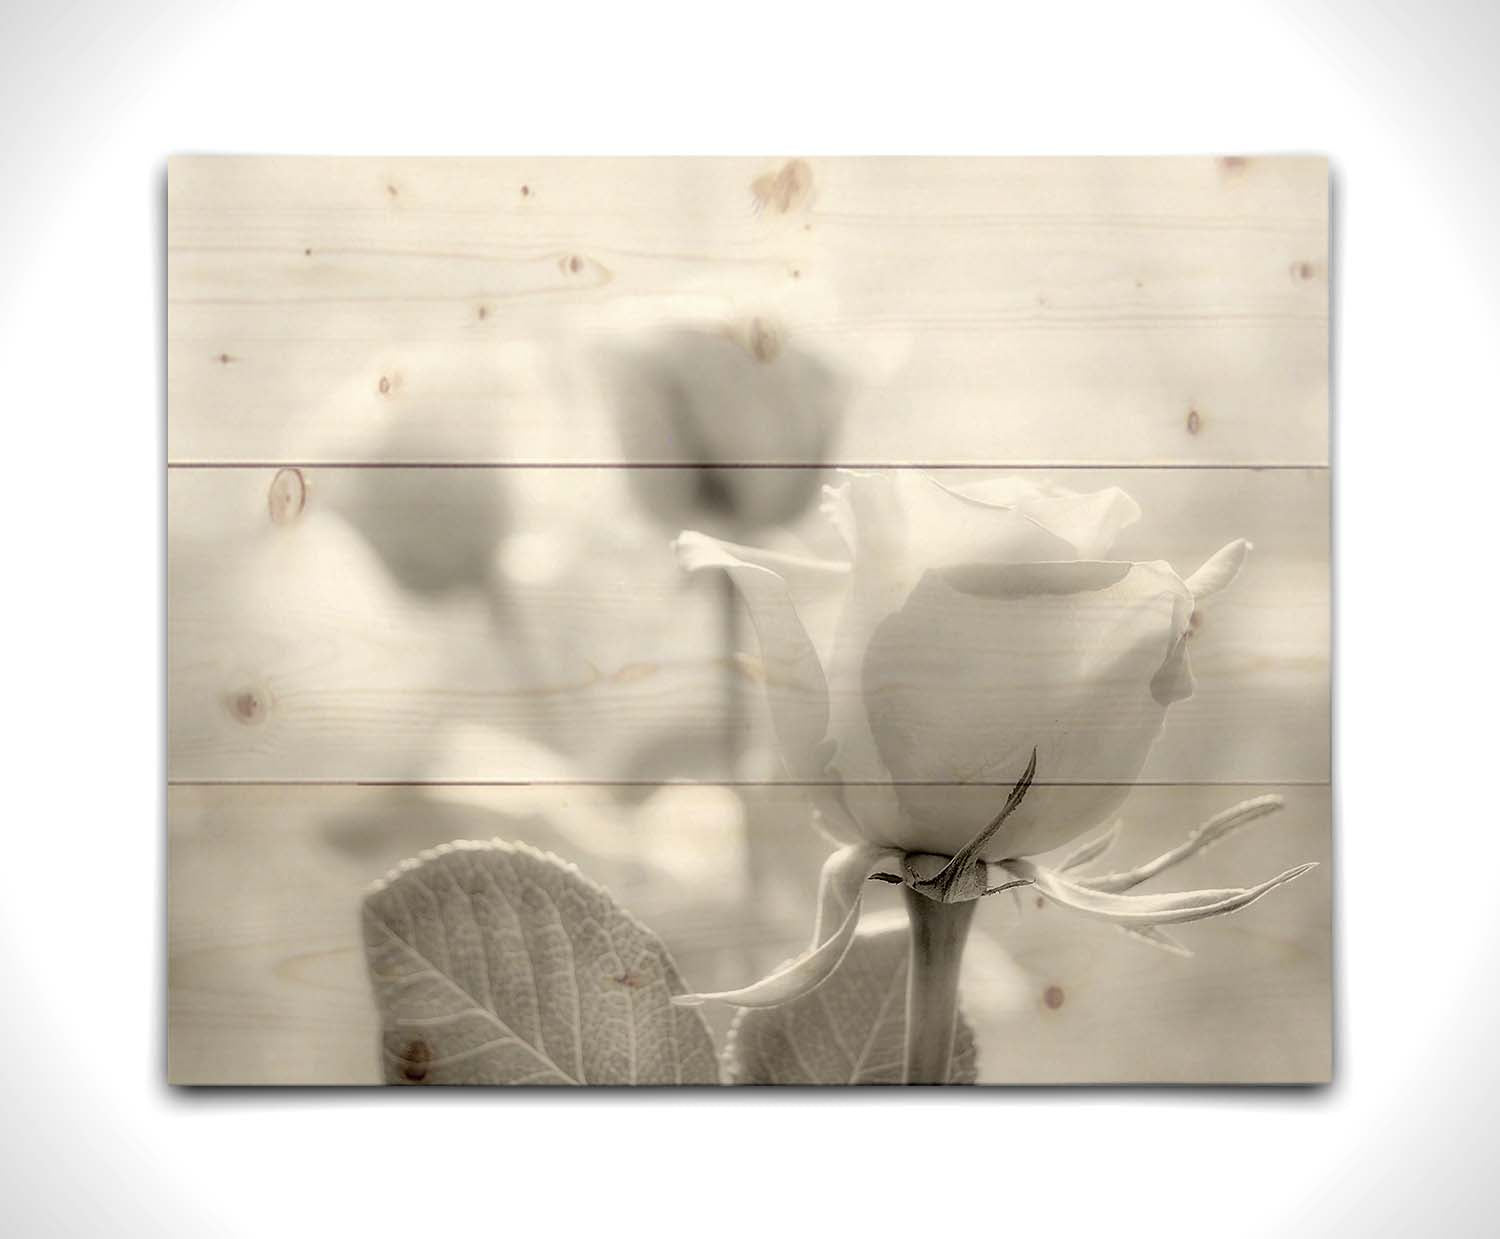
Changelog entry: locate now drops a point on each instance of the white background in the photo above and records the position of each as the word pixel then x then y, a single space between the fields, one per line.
pixel 1403 99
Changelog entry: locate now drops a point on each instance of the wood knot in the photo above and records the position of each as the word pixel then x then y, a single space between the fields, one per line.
pixel 764 340
pixel 414 1060
pixel 287 496
pixel 392 191
pixel 1053 997
pixel 482 313
pixel 1194 422
pixel 1234 163
pixel 581 267
pixel 388 383
pixel 1304 270
pixel 250 705
pixel 785 189
pixel 525 191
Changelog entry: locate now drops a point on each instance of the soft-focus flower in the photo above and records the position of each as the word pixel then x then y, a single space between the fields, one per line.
pixel 986 639
pixel 437 531
pixel 722 401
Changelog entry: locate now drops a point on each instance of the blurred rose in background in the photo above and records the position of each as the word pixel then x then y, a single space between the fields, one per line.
pixel 721 399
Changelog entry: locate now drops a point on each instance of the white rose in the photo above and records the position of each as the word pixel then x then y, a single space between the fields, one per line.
pixel 979 622
pixel 982 625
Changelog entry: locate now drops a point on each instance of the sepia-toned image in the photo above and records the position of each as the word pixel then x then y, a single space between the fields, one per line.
pixel 793 621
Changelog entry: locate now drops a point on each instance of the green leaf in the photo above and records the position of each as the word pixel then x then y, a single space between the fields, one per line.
pixel 494 963
pixel 850 1030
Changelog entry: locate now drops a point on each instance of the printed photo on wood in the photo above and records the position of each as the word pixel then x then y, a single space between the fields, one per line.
pixel 729 622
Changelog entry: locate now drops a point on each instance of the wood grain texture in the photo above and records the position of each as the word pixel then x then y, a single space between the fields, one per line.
pixel 532 624
pixel 984 311
pixel 266 970
pixel 403 550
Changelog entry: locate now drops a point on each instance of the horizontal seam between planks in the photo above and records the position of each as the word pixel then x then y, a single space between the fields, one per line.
pixel 688 464
pixel 714 783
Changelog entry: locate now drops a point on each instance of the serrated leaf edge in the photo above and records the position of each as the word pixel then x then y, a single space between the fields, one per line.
pixel 676 984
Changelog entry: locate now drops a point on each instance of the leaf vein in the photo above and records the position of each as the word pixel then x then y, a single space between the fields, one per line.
pixel 494 1016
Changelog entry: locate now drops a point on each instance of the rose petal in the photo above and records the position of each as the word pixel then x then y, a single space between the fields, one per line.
pixel 796 689
pixel 1219 570
pixel 836 510
pixel 945 526
pixel 899 523
pixel 795 684
pixel 1090 522
pixel 1137 910
pixel 985 662
pixel 1173 680
pixel 795 570
pixel 840 890
pixel 866 510
pixel 965 876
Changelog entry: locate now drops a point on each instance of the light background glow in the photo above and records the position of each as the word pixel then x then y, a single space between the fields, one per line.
pixel 94 96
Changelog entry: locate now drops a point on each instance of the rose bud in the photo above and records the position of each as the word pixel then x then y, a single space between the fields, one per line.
pixel 722 402
pixel 988 645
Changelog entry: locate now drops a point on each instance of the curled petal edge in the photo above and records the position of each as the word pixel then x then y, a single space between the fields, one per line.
pixel 1219 570
pixel 797 688
pixel 840 892
pixel 697 550
pixel 1089 523
pixel 836 510
pixel 1135 911
pixel 1173 680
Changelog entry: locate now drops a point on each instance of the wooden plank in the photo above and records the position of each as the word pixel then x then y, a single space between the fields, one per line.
pixel 266 972
pixel 532 624
pixel 982 311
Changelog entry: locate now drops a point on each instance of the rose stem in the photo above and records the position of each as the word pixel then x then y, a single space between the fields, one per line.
pixel 736 734
pixel 938 934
